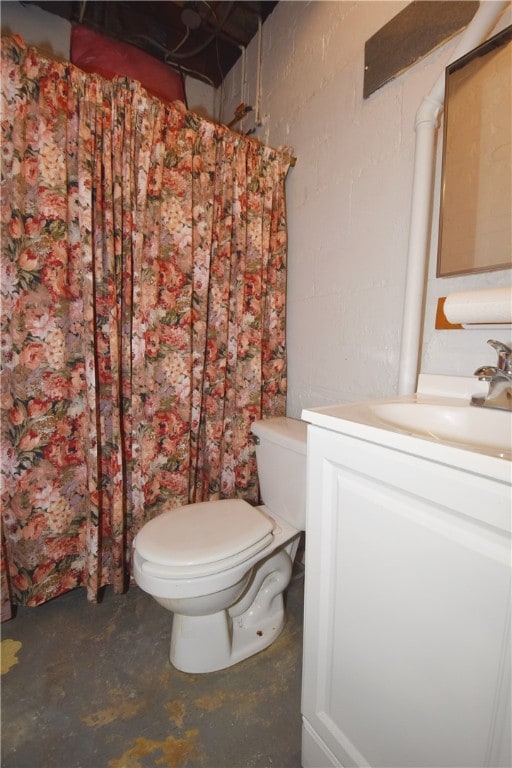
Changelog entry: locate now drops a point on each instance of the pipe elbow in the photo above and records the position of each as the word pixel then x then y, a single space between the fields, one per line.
pixel 429 111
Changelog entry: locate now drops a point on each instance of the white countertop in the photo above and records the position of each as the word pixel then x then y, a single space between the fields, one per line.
pixel 359 420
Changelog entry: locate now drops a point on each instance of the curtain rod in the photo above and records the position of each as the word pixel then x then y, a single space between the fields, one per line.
pixel 240 112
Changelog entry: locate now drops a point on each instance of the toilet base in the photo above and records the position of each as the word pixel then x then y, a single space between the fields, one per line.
pixel 203 643
pixel 220 640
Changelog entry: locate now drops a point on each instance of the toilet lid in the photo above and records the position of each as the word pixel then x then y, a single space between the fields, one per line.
pixel 203 538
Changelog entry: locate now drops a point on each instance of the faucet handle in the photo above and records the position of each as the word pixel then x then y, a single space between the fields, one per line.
pixel 504 355
pixel 486 372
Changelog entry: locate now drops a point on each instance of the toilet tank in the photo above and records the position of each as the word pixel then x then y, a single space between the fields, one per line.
pixel 281 459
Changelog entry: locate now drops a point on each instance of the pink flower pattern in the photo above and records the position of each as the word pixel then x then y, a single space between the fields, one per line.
pixel 143 318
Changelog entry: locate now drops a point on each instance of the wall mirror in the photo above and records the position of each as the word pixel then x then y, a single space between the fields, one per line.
pixel 475 227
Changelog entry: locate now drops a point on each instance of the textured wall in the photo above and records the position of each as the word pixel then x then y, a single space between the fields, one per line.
pixel 348 201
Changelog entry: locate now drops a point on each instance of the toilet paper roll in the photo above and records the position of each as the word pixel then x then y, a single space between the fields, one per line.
pixel 493 305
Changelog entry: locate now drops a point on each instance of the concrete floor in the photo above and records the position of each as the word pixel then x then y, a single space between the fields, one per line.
pixel 91 686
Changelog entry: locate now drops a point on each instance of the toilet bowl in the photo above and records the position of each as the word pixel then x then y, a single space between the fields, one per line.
pixel 221 567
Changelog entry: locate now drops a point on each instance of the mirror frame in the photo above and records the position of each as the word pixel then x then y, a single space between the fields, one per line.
pixel 498 174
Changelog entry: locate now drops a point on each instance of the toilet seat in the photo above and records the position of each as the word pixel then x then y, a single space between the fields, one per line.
pixel 202 539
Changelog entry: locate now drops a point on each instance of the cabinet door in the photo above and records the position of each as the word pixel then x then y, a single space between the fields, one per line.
pixel 406 641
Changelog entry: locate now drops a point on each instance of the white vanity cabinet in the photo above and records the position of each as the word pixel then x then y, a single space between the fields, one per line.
pixel 407 604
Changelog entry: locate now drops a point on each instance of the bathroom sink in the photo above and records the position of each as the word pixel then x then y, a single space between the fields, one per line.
pixel 460 423
pixel 437 423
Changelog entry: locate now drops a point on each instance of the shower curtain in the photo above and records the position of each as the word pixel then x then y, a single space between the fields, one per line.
pixel 143 284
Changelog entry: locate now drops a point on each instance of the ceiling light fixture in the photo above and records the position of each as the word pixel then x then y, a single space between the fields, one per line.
pixel 190 17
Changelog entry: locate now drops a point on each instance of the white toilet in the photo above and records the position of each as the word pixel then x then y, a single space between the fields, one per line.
pixel 221 566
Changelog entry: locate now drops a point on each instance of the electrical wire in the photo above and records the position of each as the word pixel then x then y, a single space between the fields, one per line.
pixel 175 65
pixel 183 40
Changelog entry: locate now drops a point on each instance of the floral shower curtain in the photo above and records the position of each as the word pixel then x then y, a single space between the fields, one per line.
pixel 143 318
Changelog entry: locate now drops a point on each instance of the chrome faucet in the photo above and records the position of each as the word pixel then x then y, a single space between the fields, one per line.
pixel 500 380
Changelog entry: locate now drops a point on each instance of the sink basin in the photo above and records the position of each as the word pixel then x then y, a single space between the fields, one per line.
pixel 459 423
pixel 437 423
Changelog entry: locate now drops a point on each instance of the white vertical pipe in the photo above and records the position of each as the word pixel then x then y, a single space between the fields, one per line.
pixel 244 81
pixel 426 126
pixel 244 74
pixel 257 118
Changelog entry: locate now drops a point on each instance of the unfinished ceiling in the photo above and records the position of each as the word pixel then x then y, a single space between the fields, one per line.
pixel 202 39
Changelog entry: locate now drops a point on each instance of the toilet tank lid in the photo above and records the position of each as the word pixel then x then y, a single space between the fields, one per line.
pixel 283 430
